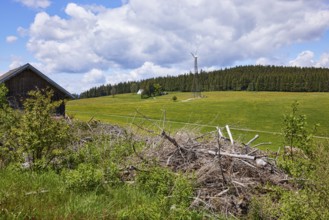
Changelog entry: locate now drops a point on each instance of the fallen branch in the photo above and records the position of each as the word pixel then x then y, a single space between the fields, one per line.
pixel 241 156
pixel 252 140
pixel 238 183
pixel 229 134
pixel 219 156
pixel 170 139
pixel 248 164
pixel 247 145
pixel 222 192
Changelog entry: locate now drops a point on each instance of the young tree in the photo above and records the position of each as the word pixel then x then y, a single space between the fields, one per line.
pixel 295 131
pixel 113 91
pixel 133 88
pixel 157 89
pixel 39 135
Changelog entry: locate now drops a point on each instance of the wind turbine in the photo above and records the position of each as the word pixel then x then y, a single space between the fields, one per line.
pixel 195 56
pixel 195 86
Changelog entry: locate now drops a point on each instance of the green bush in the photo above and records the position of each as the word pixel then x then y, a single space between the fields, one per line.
pixel 296 132
pixel 309 175
pixel 157 181
pixel 299 141
pixel 173 190
pixel 8 122
pixel 39 136
pixel 85 177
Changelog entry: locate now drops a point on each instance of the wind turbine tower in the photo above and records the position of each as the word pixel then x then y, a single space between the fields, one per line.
pixel 195 62
pixel 195 86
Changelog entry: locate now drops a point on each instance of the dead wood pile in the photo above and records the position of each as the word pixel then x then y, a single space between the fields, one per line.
pixel 227 175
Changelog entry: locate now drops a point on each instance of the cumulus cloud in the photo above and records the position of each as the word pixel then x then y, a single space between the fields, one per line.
pixel 323 61
pixel 35 3
pixel 147 70
pixel 307 59
pixel 94 76
pixel 11 39
pixel 266 61
pixel 15 62
pixel 140 33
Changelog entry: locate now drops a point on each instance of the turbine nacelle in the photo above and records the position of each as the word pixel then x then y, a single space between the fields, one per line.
pixel 194 55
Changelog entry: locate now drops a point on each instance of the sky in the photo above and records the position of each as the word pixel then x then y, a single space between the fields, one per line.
pixel 87 43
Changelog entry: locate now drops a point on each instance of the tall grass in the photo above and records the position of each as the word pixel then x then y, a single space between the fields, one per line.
pixel 45 196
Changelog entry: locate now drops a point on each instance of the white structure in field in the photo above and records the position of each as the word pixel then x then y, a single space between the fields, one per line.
pixel 140 91
pixel 195 86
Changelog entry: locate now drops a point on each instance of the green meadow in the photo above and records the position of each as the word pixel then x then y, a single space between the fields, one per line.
pixel 247 113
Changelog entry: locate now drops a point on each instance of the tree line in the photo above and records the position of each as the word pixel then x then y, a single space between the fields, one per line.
pixel 240 78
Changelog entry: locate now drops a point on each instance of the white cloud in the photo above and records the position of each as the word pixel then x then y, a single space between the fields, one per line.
pixel 307 59
pixel 95 76
pixel 323 61
pixel 23 32
pixel 15 62
pixel 11 39
pixel 147 70
pixel 265 61
pixel 35 3
pixel 140 34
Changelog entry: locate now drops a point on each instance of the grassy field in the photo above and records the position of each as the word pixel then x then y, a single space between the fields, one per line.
pixel 247 113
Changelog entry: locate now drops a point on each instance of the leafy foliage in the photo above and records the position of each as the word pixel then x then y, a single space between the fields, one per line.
pixel 8 122
pixel 295 132
pixel 164 183
pixel 40 137
pixel 309 171
pixel 86 177
pixel 299 145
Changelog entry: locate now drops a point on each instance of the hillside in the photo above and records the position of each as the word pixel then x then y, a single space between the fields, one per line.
pixel 241 78
pixel 248 113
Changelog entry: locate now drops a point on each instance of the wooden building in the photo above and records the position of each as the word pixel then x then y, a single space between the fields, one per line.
pixel 23 79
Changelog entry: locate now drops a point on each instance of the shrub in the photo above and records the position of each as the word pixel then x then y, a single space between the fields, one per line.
pixel 39 136
pixel 85 177
pixel 8 122
pixel 295 132
pixel 171 188
pixel 298 139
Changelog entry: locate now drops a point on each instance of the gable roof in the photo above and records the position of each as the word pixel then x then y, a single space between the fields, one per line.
pixel 11 73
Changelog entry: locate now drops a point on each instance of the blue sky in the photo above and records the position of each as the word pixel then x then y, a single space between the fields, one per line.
pixel 86 43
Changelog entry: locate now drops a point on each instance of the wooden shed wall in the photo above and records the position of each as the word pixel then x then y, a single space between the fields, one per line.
pixel 22 83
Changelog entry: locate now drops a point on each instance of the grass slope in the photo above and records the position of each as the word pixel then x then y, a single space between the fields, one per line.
pixel 260 111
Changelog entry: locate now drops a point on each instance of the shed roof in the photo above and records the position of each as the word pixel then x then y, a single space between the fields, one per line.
pixel 11 73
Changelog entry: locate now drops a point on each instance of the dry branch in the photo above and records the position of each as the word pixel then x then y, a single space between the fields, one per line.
pixel 229 134
pixel 224 172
